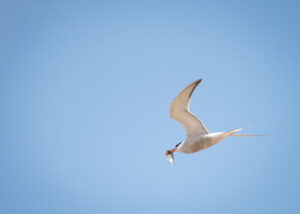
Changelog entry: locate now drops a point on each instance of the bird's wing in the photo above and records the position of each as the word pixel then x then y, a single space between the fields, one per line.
pixel 179 111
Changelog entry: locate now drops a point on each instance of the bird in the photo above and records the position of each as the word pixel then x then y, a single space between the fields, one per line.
pixel 197 136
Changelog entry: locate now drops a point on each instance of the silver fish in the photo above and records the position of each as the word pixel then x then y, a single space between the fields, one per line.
pixel 169 156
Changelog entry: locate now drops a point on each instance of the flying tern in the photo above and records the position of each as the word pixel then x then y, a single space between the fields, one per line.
pixel 197 136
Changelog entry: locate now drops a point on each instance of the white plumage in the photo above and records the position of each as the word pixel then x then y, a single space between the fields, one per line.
pixel 197 136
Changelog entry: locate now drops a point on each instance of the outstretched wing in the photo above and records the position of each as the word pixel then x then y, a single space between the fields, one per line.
pixel 179 111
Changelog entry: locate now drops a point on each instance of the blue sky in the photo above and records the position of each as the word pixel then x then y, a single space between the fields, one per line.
pixel 85 92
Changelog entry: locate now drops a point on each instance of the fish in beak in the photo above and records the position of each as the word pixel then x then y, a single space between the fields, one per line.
pixel 169 156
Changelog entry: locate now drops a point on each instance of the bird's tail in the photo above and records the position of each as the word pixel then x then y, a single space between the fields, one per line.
pixel 242 135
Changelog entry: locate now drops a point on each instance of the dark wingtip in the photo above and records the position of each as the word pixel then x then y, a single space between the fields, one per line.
pixel 199 80
pixel 196 83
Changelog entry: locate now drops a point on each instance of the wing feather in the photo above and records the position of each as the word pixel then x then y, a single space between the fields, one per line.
pixel 179 111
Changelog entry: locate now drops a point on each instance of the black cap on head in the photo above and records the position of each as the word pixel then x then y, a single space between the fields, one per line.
pixel 178 144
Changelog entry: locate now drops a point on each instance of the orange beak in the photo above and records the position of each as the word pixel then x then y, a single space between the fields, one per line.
pixel 173 150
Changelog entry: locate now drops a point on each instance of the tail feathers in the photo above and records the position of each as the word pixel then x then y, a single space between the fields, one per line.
pixel 247 135
pixel 232 133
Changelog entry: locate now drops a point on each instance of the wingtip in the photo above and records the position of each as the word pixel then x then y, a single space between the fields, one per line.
pixel 195 83
pixel 199 80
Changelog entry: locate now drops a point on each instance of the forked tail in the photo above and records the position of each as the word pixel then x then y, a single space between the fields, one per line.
pixel 247 135
pixel 232 133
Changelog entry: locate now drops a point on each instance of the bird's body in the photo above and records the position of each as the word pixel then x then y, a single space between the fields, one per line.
pixel 202 141
pixel 197 136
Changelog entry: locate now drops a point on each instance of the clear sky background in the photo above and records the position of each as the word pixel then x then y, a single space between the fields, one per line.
pixel 85 92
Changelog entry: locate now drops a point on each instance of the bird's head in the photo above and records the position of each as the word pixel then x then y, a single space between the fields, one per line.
pixel 169 153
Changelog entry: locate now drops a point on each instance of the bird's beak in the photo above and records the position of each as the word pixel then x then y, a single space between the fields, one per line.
pixel 169 156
